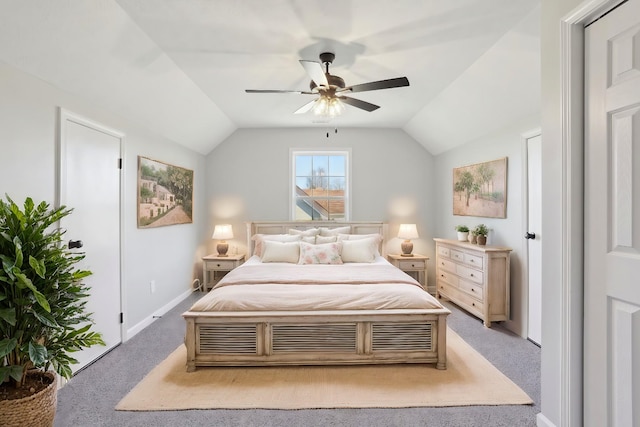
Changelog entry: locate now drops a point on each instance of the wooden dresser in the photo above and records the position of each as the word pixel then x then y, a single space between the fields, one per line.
pixel 474 277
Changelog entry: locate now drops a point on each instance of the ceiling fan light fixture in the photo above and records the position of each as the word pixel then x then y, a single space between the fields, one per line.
pixel 328 107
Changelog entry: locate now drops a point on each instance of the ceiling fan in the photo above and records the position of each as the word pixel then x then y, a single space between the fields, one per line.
pixel 332 89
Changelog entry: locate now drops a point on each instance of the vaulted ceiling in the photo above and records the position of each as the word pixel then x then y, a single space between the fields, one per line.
pixel 181 67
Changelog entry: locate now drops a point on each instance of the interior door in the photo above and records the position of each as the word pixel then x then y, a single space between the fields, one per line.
pixel 534 245
pixel 612 219
pixel 90 184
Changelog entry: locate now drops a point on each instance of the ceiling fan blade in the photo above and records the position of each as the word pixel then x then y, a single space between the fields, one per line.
pixel 315 71
pixel 306 107
pixel 367 106
pixel 381 84
pixel 299 92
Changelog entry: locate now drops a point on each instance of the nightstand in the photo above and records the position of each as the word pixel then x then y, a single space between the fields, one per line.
pixel 415 266
pixel 214 268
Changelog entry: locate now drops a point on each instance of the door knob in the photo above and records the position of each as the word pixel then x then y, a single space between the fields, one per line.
pixel 528 235
pixel 75 244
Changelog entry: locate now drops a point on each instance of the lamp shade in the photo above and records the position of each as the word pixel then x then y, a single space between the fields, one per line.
pixel 408 231
pixel 222 232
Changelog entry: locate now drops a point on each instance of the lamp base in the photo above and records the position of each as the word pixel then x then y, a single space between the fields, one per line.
pixel 222 249
pixel 407 248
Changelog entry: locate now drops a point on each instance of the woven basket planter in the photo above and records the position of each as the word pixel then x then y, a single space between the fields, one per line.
pixel 38 410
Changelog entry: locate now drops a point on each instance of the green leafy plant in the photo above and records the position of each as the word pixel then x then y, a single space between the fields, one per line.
pixel 481 230
pixel 462 228
pixel 42 294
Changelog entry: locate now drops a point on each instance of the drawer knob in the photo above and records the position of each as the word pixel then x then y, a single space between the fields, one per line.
pixel 473 290
pixel 471 274
pixel 472 261
pixel 413 265
pixel 217 265
pixel 473 304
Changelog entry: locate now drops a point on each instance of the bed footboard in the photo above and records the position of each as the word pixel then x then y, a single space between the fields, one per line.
pixel 316 338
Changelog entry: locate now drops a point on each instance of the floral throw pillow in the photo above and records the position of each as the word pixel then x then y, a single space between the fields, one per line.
pixel 327 253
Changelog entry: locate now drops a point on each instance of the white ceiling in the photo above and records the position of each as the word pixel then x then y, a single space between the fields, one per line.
pixel 180 67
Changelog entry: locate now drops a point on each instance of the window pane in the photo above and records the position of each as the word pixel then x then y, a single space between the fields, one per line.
pixel 303 165
pixel 320 191
pixel 337 186
pixel 321 164
pixel 337 165
pixel 303 184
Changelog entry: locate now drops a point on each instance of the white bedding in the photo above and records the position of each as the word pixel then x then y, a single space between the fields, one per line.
pixel 257 286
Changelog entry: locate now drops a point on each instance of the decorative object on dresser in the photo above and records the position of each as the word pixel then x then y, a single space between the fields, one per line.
pixel 463 232
pixel 415 267
pixel 407 232
pixel 481 231
pixel 222 232
pixel 215 267
pixel 474 277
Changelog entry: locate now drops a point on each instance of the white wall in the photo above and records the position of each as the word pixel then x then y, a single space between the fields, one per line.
pixel 504 232
pixel 392 180
pixel 28 111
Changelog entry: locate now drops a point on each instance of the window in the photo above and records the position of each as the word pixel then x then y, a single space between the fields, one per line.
pixel 320 185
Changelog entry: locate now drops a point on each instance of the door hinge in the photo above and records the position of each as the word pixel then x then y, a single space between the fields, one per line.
pixel 120 163
pixel 121 317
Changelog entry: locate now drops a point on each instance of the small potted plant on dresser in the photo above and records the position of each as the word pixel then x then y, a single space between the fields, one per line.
pixel 463 232
pixel 42 312
pixel 481 232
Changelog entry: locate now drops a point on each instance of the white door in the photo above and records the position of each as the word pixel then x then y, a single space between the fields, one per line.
pixel 534 245
pixel 612 219
pixel 90 184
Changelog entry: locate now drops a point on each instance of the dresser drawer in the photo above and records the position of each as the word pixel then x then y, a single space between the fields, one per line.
pixel 449 278
pixel 457 255
pixel 473 289
pixel 470 303
pixel 473 260
pixel 443 251
pixel 446 264
pixel 469 274
pixel 412 265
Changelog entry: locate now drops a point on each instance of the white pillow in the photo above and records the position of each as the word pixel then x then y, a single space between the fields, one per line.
pixel 325 239
pixel 324 231
pixel 274 251
pixel 308 232
pixel 327 253
pixel 260 238
pixel 309 239
pixel 378 237
pixel 362 250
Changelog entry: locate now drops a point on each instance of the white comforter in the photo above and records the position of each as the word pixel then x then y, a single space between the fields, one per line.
pixel 256 286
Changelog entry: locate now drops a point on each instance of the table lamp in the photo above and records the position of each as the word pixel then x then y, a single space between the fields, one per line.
pixel 407 232
pixel 222 232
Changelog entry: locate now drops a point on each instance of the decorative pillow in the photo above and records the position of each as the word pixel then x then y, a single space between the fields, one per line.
pixel 274 251
pixel 324 231
pixel 326 239
pixel 327 253
pixel 308 232
pixel 378 237
pixel 260 238
pixel 362 250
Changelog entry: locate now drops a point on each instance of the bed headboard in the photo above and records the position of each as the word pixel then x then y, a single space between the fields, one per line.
pixel 282 227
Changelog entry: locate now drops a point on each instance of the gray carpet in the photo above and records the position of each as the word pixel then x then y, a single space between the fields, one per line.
pixel 90 397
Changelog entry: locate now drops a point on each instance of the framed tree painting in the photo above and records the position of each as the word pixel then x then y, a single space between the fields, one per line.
pixel 165 194
pixel 481 189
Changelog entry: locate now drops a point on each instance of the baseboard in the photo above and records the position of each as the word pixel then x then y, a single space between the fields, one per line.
pixel 542 421
pixel 131 332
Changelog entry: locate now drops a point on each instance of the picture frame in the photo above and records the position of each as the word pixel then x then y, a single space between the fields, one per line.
pixel 164 194
pixel 481 189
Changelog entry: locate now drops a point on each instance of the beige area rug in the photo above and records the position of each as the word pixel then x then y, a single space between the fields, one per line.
pixel 468 380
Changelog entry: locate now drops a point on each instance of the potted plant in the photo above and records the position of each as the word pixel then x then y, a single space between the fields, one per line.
pixel 463 232
pixel 42 311
pixel 481 232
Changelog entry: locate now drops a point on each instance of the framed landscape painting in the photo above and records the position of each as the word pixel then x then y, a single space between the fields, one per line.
pixel 481 189
pixel 165 194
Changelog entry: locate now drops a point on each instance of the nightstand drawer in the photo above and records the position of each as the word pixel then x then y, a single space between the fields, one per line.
pixel 222 265
pixel 412 265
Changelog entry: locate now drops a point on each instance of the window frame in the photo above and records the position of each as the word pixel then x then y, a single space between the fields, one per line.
pixel 294 153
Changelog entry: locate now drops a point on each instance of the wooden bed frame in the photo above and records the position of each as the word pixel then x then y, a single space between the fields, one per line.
pixel 339 337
